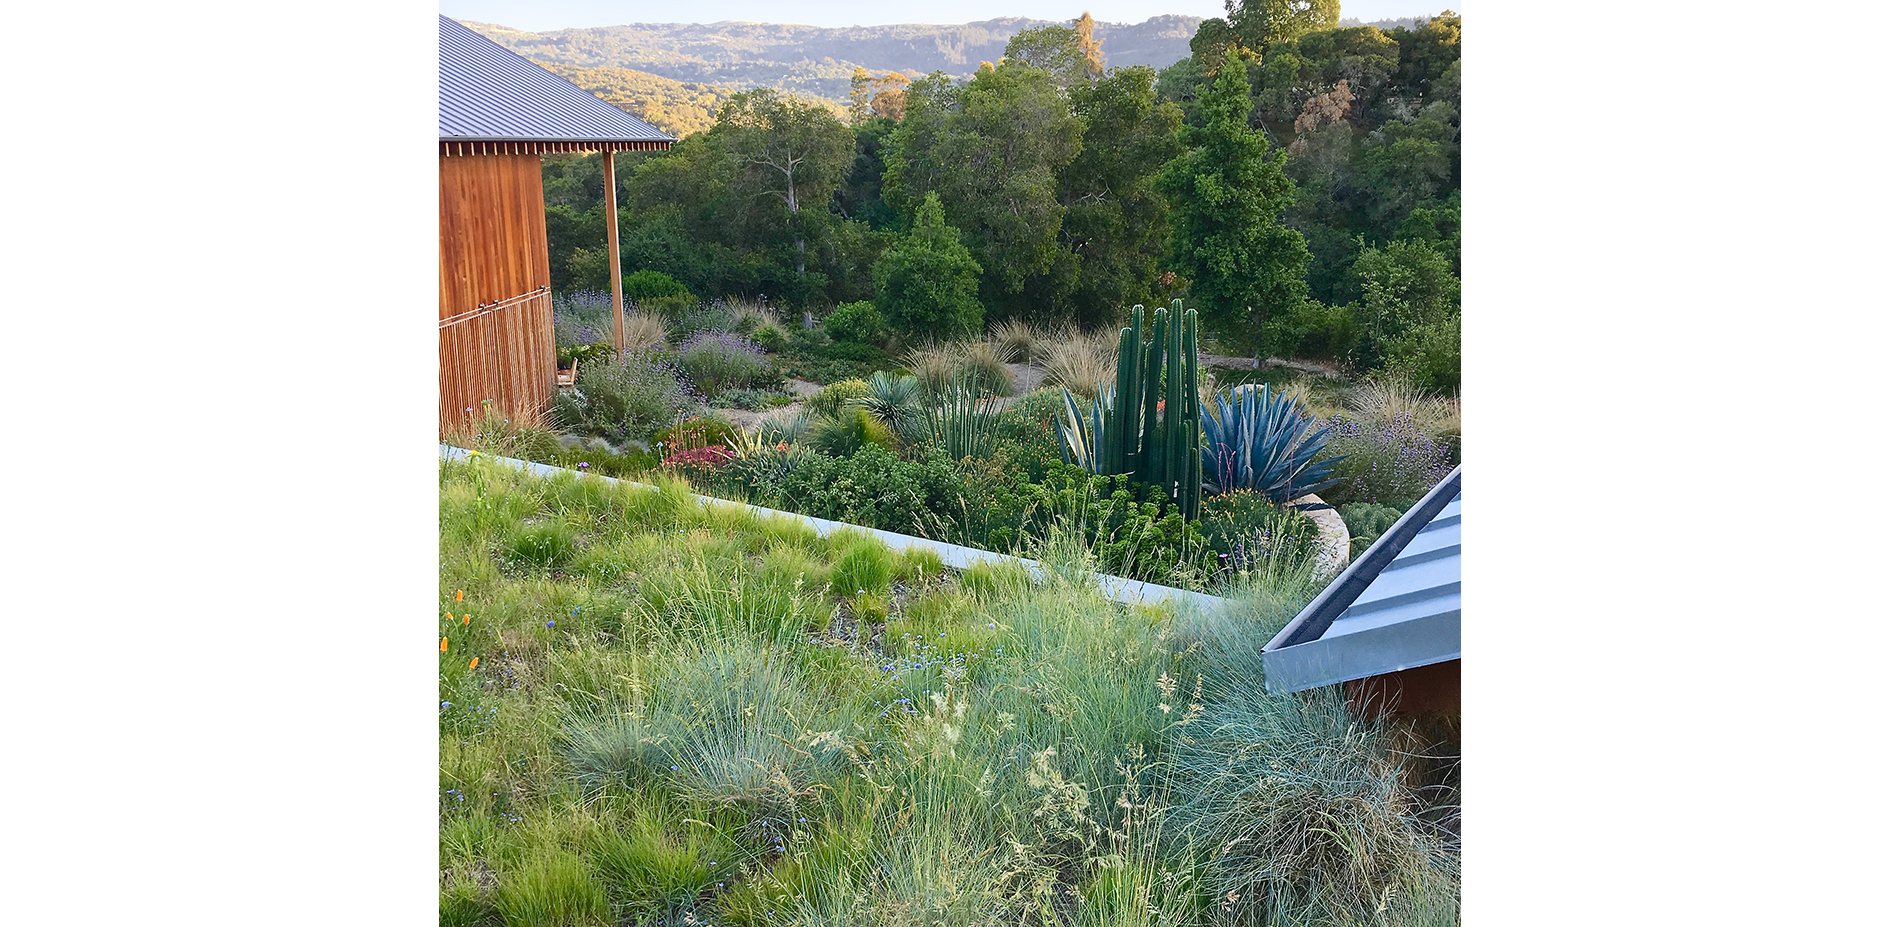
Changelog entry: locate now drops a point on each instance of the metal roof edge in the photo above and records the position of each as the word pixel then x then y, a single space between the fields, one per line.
pixel 1371 652
pixel 1318 615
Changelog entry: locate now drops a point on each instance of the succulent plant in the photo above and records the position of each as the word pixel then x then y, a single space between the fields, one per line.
pixel 1263 442
pixel 1146 426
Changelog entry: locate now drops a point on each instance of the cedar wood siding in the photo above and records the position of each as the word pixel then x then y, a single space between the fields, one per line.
pixel 494 247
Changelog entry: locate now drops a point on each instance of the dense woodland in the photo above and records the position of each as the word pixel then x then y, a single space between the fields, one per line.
pixel 1297 183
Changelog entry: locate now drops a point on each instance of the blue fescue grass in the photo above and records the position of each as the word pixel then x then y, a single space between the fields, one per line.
pixel 693 715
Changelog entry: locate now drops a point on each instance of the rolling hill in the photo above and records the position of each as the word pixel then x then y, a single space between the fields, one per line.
pixel 814 60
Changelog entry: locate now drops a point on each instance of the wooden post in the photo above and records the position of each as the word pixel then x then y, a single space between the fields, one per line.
pixel 613 251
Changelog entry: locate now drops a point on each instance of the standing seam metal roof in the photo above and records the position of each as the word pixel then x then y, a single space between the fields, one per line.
pixel 1396 607
pixel 488 93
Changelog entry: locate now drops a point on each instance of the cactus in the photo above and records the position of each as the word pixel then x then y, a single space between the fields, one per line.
pixel 1148 424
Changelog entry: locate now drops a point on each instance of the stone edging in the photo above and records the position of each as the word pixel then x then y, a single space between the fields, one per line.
pixel 1335 540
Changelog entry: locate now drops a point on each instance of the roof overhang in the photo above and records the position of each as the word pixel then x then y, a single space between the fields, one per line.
pixel 1395 608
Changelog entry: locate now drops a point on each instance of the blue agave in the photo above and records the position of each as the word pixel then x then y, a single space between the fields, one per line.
pixel 1264 443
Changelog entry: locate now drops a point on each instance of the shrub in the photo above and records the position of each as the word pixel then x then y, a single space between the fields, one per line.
pixel 1245 528
pixel 1394 462
pixel 859 322
pixel 785 426
pixel 926 283
pixel 694 433
pixel 1314 330
pixel 1026 438
pixel 853 428
pixel 771 336
pixel 595 353
pixel 718 361
pixel 1428 356
pixel 830 401
pixel 842 361
pixel 1366 521
pixel 648 285
pixel 874 488
pixel 626 398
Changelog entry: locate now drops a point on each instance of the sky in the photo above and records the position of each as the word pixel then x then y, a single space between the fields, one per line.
pixel 544 15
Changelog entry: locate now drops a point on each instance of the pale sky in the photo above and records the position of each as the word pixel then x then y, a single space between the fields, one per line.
pixel 544 15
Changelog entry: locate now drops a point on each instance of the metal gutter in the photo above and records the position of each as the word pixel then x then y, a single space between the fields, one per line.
pixel 1318 615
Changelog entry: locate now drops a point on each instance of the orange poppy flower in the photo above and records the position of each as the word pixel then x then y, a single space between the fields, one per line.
pixel 473 661
pixel 445 645
pixel 458 595
pixel 465 618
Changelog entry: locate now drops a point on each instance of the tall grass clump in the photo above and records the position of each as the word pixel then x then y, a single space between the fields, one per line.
pixel 720 720
pixel 985 364
pixel 1386 398
pixel 1081 363
pixel 1016 340
pixel 523 432
pixel 1304 813
pixel 553 887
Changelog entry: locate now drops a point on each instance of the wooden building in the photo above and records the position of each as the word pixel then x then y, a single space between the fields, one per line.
pixel 499 113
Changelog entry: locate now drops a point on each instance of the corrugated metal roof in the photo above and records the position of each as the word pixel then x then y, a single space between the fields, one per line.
pixel 489 93
pixel 1396 607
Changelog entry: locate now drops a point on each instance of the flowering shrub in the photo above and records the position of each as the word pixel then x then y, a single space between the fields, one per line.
pixel 625 399
pixel 1391 462
pixel 708 457
pixel 719 361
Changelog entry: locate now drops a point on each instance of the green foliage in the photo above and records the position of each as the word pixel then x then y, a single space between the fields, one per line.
pixel 547 545
pixel 863 568
pixel 873 487
pixel 961 420
pixel 992 150
pixel 695 432
pixel 646 285
pixel 1428 356
pixel 857 321
pixel 829 363
pixel 926 284
pixel 1147 425
pixel 1246 268
pixel 854 427
pixel 595 353
pixel 1265 443
pixel 830 400
pixel 1405 285
pixel 1367 521
pixel 552 887
pixel 624 399
pixel 1244 528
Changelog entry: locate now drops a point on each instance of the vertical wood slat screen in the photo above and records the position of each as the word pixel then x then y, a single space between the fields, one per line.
pixel 494 250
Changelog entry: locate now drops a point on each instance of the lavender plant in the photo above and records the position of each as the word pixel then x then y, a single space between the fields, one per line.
pixel 1392 461
pixel 625 399
pixel 719 361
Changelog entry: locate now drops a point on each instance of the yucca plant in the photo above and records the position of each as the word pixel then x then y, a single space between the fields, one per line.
pixel 894 400
pixel 1263 442
pixel 962 420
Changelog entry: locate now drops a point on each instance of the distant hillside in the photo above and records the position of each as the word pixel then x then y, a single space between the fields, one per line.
pixel 819 61
pixel 674 107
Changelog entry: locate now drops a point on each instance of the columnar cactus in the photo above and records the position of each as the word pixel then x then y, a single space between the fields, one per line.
pixel 1148 425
